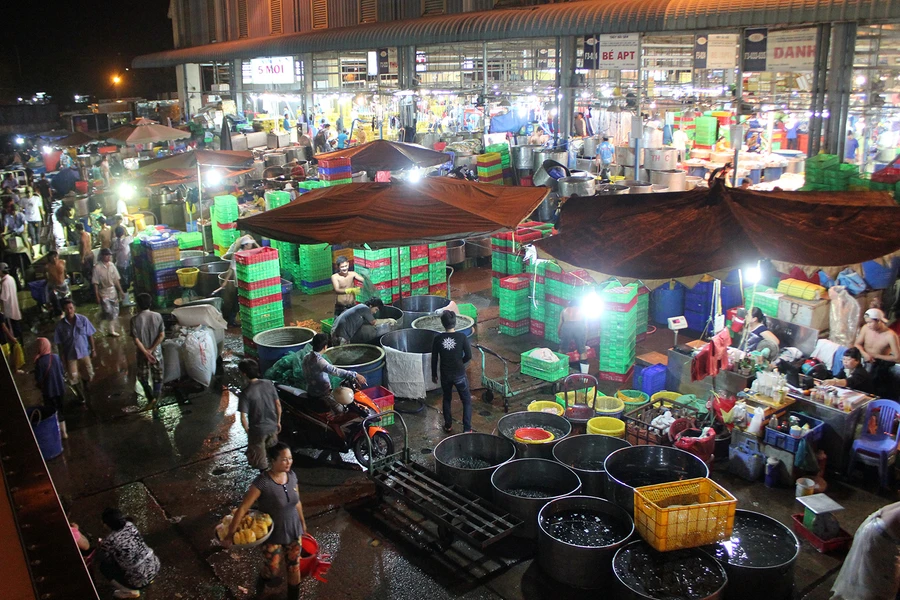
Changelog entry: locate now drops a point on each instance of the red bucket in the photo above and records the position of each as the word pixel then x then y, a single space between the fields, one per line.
pixel 310 563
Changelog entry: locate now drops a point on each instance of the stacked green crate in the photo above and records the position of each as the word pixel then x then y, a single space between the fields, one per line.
pixel 618 328
pixel 277 198
pixel 537 302
pixel 260 310
pixel 515 312
pixel 643 308
pixel 820 171
pixel 288 255
pixel 224 214
pixel 314 269
pixel 706 130
pixel 189 240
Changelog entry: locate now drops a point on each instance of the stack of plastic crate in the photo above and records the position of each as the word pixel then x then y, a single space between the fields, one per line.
pixel 189 240
pixel 503 150
pixel 618 325
pixel 705 130
pixel 537 301
pixel 827 173
pixel 382 271
pixel 437 269
pixel 561 288
pixel 277 198
pixel 312 274
pixel 335 171
pixel 224 223
pixel 259 293
pixel 305 186
pixel 419 270
pixel 643 310
pixel 490 168
pixel 159 258
pixel 515 315
pixel 404 262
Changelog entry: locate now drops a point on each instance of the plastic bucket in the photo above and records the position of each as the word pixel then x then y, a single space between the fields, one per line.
pixel 606 426
pixel 773 173
pixel 805 487
pixel 546 406
pixel 275 343
pixel 608 406
pixel 666 396
pixel 365 359
pixel 46 431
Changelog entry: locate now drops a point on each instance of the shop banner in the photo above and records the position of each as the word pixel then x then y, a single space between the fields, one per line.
pixel 755 45
pixel 590 50
pixel 791 51
pixel 384 61
pixel 620 51
pixel 701 49
pixel 273 69
pixel 715 51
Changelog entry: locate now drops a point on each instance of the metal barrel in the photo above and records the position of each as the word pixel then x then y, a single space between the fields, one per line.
pixel 414 307
pixel 451 452
pixel 548 476
pixel 585 454
pixel 635 562
pixel 509 423
pixel 638 466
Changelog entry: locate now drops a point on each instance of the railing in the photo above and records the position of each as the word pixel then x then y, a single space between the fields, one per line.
pixel 38 556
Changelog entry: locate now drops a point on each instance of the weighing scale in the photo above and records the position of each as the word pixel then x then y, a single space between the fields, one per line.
pixel 818 516
pixel 676 324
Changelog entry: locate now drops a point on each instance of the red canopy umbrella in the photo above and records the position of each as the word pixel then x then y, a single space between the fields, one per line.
pixel 396 214
pixel 145 131
pixel 188 160
pixel 78 138
pixel 679 234
pixel 382 155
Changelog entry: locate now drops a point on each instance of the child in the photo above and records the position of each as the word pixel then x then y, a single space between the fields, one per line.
pixel 48 373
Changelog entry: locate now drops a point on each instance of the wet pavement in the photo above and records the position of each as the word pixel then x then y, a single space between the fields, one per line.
pixel 177 474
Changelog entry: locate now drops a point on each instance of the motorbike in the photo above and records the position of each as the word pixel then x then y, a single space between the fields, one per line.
pixel 309 422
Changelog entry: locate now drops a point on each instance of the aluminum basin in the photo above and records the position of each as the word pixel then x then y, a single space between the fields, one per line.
pixel 464 324
pixel 414 307
pixel 508 424
pixel 638 466
pixel 408 362
pixel 586 454
pixel 452 452
pixel 639 569
pixel 549 477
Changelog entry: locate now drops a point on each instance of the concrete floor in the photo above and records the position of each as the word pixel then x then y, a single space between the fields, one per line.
pixel 179 473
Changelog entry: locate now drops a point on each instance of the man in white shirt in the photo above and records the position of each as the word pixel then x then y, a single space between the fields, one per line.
pixel 10 301
pixel 32 206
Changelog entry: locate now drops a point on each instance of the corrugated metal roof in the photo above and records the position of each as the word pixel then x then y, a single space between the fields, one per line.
pixel 574 18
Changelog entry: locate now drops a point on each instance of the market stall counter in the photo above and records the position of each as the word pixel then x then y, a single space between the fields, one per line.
pixel 840 425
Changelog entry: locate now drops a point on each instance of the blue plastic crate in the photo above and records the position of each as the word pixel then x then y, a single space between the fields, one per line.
pixel 650 379
pixel 790 444
pixel 697 321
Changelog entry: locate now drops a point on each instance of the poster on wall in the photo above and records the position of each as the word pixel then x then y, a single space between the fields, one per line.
pixel 619 51
pixel 779 51
pixel 589 52
pixel 272 69
pixel 384 61
pixel 715 51
pixel 755 45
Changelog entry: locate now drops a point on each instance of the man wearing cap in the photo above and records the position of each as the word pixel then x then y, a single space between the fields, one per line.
pixel 10 301
pixel 880 350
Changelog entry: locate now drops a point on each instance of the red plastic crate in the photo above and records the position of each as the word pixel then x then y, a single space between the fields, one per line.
pixel 619 307
pixel 497 275
pixel 249 343
pixel 405 281
pixel 373 264
pixel 616 377
pixel 383 399
pixel 420 251
pixel 438 289
pixel 537 328
pixel 232 225
pixel 418 270
pixel 437 254
pixel 578 277
pixel 418 285
pixel 554 300
pixel 521 281
pixel 331 163
pixel 515 324
pixel 256 255
pixel 386 285
pixel 539 279
pixel 528 236
pixel 260 301
pixel 840 542
pixel 255 285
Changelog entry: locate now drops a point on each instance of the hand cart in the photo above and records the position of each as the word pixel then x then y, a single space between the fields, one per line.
pixel 503 387
pixel 455 510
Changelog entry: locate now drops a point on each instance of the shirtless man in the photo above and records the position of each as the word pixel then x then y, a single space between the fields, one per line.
pixel 56 278
pixel 573 331
pixel 345 287
pixel 880 349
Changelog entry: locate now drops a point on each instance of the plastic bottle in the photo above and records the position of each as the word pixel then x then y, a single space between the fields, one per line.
pixel 755 427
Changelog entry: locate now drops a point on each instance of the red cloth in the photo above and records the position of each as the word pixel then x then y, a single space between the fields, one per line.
pixel 712 358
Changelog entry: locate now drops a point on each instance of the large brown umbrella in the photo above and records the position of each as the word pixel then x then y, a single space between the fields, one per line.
pixel 178 176
pixel 680 234
pixel 234 159
pixel 395 214
pixel 145 131
pixel 382 155
pixel 78 138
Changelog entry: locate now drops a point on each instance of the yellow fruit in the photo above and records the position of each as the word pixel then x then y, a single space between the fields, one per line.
pixel 267 519
pixel 250 536
pixel 237 539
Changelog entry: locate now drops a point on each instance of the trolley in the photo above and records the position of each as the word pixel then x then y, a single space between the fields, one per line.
pixel 455 510
pixel 503 386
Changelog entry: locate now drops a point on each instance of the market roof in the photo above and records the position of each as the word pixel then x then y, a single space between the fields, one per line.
pixel 567 19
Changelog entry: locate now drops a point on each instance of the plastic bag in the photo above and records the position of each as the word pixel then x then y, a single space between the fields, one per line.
pixel 843 322
pixel 199 355
pixel 852 280
pixel 14 354
pixel 171 350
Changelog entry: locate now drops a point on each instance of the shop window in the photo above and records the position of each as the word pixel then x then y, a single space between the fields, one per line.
pixel 434 7
pixel 319 11
pixel 243 20
pixel 276 24
pixel 368 11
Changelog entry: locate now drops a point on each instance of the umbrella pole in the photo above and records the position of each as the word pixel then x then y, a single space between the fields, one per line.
pixel 200 208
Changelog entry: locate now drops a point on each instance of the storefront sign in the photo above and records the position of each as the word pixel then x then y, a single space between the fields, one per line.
pixel 715 51
pixel 273 69
pixel 384 61
pixel 619 51
pixel 779 51
pixel 590 52
pixel 791 51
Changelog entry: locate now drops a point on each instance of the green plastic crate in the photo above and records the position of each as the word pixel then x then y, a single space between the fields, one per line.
pixel 514 312
pixel 259 292
pixel 258 271
pixel 326 325
pixel 545 371
pixel 822 161
pixel 514 331
pixel 468 310
pixel 376 274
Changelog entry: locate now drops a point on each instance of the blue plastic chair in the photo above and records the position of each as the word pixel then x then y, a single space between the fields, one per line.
pixel 877 449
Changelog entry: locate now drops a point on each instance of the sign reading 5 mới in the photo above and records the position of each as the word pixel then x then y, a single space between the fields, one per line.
pixel 272 69
pixel 619 51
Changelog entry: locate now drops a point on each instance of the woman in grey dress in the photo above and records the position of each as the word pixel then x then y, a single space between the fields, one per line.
pixel 276 493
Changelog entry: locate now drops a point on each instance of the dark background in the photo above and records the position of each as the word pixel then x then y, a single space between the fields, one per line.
pixel 67 48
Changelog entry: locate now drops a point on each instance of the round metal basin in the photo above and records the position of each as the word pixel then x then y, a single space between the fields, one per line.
pixel 559 426
pixel 524 486
pixel 208 278
pixel 585 454
pixel 464 324
pixel 414 307
pixel 402 348
pixel 638 466
pixel 640 571
pixel 469 460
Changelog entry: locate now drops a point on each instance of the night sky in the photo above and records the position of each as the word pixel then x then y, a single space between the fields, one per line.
pixel 76 47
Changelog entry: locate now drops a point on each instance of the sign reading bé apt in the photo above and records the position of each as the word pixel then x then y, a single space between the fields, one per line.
pixel 619 51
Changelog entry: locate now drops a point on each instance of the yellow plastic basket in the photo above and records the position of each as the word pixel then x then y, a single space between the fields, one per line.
pixel 683 514
pixel 582 396
pixel 667 397
pixel 547 406
pixel 606 426
pixel 187 277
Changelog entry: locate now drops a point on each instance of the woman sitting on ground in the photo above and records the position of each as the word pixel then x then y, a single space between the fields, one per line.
pixel 125 559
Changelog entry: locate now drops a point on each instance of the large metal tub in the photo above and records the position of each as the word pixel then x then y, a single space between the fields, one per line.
pixel 408 362
pixel 365 359
pixel 195 258
pixel 576 565
pixel 478 247
pixel 508 424
pixel 759 558
pixel 491 449
pixel 539 156
pixel 634 561
pixel 637 466
pixel 523 156
pixel 391 312
pixel 208 278
pixel 586 454
pixel 414 307
pixel 547 476
pixel 275 343
pixel 456 252
pixel 464 324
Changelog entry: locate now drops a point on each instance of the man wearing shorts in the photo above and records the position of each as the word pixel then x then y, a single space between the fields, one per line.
pixel 148 333
pixel 573 332
pixel 74 336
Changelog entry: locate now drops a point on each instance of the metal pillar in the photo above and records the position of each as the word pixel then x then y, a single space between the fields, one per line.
pixel 820 71
pixel 484 71
pixel 237 85
pixel 739 100
pixel 639 135
pixel 406 69
pixel 565 68
pixel 840 82
pixel 308 89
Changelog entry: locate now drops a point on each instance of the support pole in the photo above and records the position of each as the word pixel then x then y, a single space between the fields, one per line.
pixel 739 98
